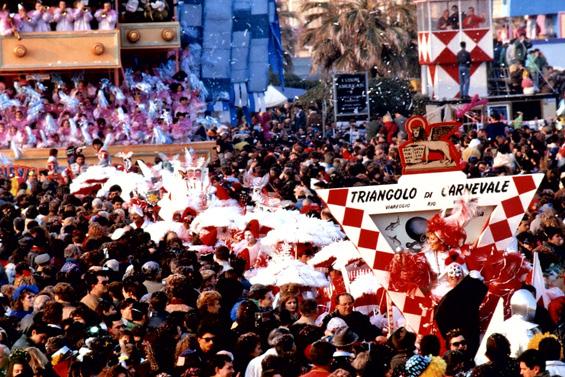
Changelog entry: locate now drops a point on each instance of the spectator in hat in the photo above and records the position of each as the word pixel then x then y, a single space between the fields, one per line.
pixel 333 326
pixel 344 341
pixel 22 299
pixel 151 272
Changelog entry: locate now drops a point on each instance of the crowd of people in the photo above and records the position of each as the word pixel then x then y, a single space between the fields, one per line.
pixel 153 105
pixel 529 71
pixel 89 287
pixel 42 16
pixel 88 292
pixel 450 21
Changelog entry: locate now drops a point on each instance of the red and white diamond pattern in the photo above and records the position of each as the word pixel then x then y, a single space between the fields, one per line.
pixel 377 253
pixel 444 80
pixel 437 52
pixel 424 52
pixel 441 47
pixel 505 218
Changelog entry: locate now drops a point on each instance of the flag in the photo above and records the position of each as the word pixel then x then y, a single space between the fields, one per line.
pixel 535 278
pixel 496 323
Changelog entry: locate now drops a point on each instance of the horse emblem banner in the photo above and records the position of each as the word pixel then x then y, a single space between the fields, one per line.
pixel 428 148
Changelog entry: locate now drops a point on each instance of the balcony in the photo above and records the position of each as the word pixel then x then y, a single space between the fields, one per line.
pixel 150 35
pixel 99 49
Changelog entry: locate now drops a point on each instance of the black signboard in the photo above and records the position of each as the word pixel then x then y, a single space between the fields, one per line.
pixel 351 95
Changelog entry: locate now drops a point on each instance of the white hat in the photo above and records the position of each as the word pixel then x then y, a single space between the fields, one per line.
pixel 42 259
pixel 474 143
pixel 112 264
pixel 51 158
pixel 150 267
pixel 335 324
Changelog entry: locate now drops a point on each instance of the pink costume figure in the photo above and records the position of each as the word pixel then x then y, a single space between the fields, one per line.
pixel 181 130
pixel 65 131
pixel 182 106
pixel 23 22
pixel 21 137
pixel 4 142
pixel 41 18
pixel 63 16
pixel 82 16
pixel 5 23
pixel 106 17
pixel 137 134
pixel 19 120
pixel 11 134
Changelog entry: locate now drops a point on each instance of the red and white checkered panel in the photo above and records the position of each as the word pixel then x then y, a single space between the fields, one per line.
pixel 506 217
pixel 441 47
pixel 424 52
pixel 444 80
pixel 374 248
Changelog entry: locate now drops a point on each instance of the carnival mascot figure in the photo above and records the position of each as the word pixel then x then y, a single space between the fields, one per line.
pixel 519 328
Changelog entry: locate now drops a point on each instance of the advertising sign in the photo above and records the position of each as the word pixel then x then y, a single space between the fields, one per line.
pixel 351 94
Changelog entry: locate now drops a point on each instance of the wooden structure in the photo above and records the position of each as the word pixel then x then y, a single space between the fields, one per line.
pixel 37 158
pixel 97 49
pixel 154 35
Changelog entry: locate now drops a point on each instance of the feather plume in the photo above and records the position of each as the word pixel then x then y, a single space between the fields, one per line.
pixel 85 135
pixel 299 228
pixel 157 230
pixel 6 102
pixel 129 182
pixel 101 98
pixel 31 139
pixel 6 160
pixel 118 95
pixel 74 129
pixel 230 217
pixel 463 211
pixel 15 150
pixel 285 270
pixel 339 254
pixel 366 284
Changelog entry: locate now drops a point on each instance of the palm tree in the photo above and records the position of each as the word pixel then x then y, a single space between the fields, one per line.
pixel 288 35
pixel 358 35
